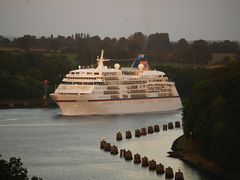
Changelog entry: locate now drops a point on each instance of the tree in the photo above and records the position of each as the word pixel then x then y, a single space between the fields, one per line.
pixel 123 43
pixel 182 53
pixel 26 42
pixel 36 178
pixel 230 46
pixel 4 41
pixel 158 42
pixel 12 170
pixel 224 47
pixel 182 44
pixel 136 42
pixel 201 52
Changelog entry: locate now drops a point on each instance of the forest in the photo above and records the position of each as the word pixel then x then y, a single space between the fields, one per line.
pixel 211 116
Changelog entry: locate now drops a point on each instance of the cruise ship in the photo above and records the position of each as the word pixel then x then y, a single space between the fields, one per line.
pixel 103 90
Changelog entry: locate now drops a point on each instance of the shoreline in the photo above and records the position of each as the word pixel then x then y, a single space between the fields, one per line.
pixel 26 103
pixel 185 150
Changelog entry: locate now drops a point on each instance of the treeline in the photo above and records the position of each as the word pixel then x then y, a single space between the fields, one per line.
pixel 27 61
pixel 212 116
pixel 157 46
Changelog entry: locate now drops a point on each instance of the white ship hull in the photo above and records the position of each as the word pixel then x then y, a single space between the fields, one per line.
pixel 73 107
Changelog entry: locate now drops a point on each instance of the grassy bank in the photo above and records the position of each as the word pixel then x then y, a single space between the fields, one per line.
pixel 187 151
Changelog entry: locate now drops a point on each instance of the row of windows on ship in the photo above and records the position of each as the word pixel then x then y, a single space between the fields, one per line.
pixel 94 73
pixel 142 91
pixel 110 73
pixel 107 83
pixel 105 73
pixel 136 92
pixel 112 78
pixel 132 87
pixel 135 96
pixel 89 73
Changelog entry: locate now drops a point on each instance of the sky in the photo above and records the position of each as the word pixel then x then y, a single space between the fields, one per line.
pixel 189 19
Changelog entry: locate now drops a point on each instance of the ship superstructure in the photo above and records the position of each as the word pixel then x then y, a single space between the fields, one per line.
pixel 103 90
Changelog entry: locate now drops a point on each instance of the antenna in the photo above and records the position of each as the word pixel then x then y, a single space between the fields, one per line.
pixel 92 58
pixel 102 52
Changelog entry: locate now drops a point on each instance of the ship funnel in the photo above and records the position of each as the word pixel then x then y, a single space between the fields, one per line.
pixel 141 59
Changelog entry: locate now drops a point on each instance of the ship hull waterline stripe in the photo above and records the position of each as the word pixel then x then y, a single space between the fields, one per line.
pixel 126 99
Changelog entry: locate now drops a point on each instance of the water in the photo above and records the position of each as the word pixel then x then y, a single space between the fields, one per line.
pixel 56 147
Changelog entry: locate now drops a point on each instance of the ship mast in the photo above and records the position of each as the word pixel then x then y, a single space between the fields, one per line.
pixel 101 60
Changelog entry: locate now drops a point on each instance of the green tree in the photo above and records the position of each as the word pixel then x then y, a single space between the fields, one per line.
pixel 12 170
pixel 36 178
pixel 5 42
pixel 136 42
pixel 158 42
pixel 201 52
pixel 182 44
